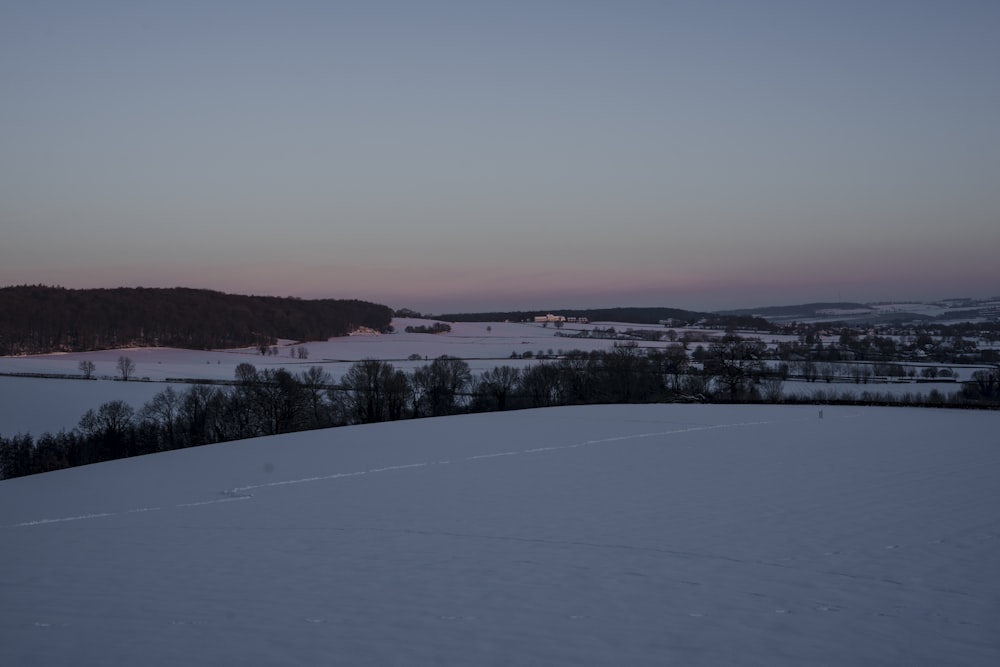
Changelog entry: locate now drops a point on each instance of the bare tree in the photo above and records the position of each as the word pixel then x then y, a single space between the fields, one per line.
pixel 622 371
pixel 314 383
pixel 244 417
pixel 109 425
pixel 499 384
pixel 280 401
pixel 440 383
pixel 398 394
pixel 126 367
pixel 86 367
pixel 735 362
pixel 164 409
pixel 669 364
pixel 246 374
pixel 368 391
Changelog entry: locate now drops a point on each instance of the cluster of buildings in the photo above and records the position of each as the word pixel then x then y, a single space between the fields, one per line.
pixel 541 319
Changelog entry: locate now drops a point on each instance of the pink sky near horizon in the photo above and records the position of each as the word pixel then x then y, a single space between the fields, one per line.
pixel 505 156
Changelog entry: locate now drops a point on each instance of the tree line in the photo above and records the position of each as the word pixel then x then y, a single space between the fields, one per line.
pixel 267 402
pixel 37 319
pixel 637 315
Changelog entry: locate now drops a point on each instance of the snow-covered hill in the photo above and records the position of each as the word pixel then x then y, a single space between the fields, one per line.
pixel 945 311
pixel 599 535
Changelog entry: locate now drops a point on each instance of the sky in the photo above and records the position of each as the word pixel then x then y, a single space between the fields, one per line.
pixel 465 155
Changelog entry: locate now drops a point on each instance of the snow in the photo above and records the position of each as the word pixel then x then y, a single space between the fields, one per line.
pixel 488 342
pixel 594 535
pixel 39 405
pixel 35 405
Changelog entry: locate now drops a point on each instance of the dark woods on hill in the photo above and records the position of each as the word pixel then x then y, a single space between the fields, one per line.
pixel 39 319
pixel 634 315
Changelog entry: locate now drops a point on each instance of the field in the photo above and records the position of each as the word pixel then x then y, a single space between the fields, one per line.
pixel 597 535
pixel 34 405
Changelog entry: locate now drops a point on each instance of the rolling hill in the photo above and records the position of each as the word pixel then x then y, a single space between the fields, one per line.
pixel 598 535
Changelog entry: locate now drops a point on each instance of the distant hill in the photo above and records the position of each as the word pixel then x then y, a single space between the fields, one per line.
pixel 805 310
pixel 632 315
pixel 38 319
pixel 950 310
pixel 834 312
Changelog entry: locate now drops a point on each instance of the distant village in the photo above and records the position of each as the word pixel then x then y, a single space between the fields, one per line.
pixel 545 319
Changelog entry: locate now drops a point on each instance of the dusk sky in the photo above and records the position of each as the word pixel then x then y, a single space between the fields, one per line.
pixel 469 155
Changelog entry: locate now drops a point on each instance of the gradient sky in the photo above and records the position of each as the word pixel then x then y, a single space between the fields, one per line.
pixel 489 155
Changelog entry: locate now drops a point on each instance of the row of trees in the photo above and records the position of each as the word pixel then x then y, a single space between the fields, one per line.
pixel 436 328
pixel 266 402
pixel 953 344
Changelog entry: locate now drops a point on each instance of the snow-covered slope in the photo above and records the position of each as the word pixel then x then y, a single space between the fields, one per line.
pixel 599 535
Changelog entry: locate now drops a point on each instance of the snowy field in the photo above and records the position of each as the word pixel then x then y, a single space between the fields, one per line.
pixel 597 535
pixel 34 405
pixel 483 345
pixel 38 405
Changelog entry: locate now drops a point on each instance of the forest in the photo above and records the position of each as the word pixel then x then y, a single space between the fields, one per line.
pixel 38 319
